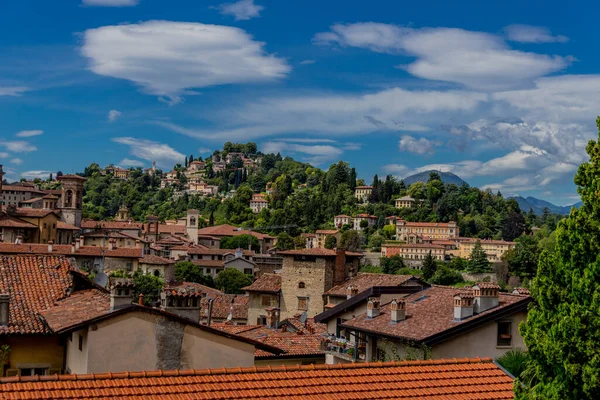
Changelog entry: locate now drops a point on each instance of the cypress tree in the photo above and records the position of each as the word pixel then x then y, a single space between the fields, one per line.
pixel 429 266
pixel 478 262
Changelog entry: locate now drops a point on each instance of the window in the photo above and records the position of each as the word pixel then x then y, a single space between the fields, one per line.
pixel 261 320
pixel 303 303
pixel 266 301
pixel 301 285
pixel 248 271
pixel 504 334
pixel 80 343
pixel 33 371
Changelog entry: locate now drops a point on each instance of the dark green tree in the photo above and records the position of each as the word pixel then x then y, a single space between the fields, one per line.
pixel 186 162
pixel 149 285
pixel 241 242
pixel 352 180
pixel 446 276
pixel 391 265
pixel 429 266
pixel 285 241
pixel 330 242
pixel 562 330
pixel 523 260
pixel 231 281
pixel 350 240
pixel 187 271
pixel 191 159
pixel 478 261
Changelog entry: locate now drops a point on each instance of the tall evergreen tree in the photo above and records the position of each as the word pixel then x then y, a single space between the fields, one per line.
pixel 376 189
pixel 191 159
pixel 186 162
pixel 429 266
pixel 478 262
pixel 562 331
pixel 211 219
pixel 352 180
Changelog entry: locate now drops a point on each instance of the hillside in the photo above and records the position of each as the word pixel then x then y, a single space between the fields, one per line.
pixel 447 178
pixel 538 205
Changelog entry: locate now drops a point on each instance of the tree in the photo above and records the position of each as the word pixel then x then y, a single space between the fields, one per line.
pixel 375 242
pixel 364 224
pixel 514 361
pixel 51 178
pixel 231 281
pixel 148 285
pixel 285 241
pixel 523 260
pixel 330 242
pixel 191 159
pixel 389 231
pixel 446 276
pixel 458 264
pixel 429 266
pixel 186 162
pixel 562 330
pixel 241 242
pixel 478 261
pixel 350 240
pixel 211 219
pixel 187 271
pixel 514 224
pixel 391 265
pixel 352 181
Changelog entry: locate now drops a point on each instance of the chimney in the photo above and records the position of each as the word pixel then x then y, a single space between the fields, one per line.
pixel 138 244
pixel 463 305
pixel 112 244
pixel 141 299
pixel 72 247
pixel 50 243
pixel 121 293
pixel 272 317
pixel 81 241
pixel 373 309
pixel 486 296
pixel 521 291
pixel 398 310
pixel 4 309
pixel 184 302
pixel 77 244
pixel 339 270
pixel 351 291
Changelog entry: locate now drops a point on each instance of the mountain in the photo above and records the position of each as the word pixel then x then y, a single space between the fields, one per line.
pixel 538 205
pixel 447 177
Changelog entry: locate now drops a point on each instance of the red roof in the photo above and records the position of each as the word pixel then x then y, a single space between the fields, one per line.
pixel 6 221
pixel 364 281
pixel 427 224
pixel 67 250
pixel 79 307
pixel 230 230
pixel 91 224
pixel 155 260
pixel 327 231
pixel 267 283
pixel 316 252
pixel 410 380
pixel 207 251
pixel 34 284
pixel 193 285
pixel 222 306
pixel 65 226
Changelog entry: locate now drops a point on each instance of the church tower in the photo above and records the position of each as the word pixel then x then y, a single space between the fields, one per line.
pixel 72 198
pixel 122 214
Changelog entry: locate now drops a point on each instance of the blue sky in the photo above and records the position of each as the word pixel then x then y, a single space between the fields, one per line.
pixel 505 95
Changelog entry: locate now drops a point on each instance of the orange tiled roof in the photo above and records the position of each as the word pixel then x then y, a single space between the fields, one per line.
pixel 428 313
pixel 34 283
pixel 230 230
pixel 327 231
pixel 267 283
pixel 155 260
pixel 65 226
pixel 91 224
pixel 410 380
pixel 34 212
pixel 20 188
pixel 222 306
pixel 316 252
pixel 67 250
pixel 207 251
pixel 6 221
pixel 364 281
pixel 80 306
pixel 427 224
pixel 199 287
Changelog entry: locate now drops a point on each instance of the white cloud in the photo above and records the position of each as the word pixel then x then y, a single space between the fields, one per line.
pixel 314 154
pixel 475 59
pixel 241 10
pixel 168 58
pixel 18 146
pixel 203 150
pixel 128 162
pixel 16 161
pixel 334 114
pixel 30 133
pixel 305 140
pixel 532 34
pixel 110 3
pixel 417 146
pixel 4 154
pixel 13 90
pixel 149 150
pixel 113 115
pixel 307 62
pixel 41 174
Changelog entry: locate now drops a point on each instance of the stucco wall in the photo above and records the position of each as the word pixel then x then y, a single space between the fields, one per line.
pixel 35 350
pixel 76 360
pixel 255 306
pixel 202 349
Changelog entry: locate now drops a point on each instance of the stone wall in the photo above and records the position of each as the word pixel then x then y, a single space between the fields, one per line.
pixel 317 277
pixel 479 277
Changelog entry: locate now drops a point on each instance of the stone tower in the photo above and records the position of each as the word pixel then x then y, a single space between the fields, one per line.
pixel 122 214
pixel 192 225
pixel 72 198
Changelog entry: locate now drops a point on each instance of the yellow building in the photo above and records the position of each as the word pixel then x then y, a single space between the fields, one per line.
pixel 413 251
pixel 494 249
pixel 405 202
pixel 433 230
pixel 322 234
pixel 363 193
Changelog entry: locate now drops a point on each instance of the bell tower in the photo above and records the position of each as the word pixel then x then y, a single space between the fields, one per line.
pixel 72 198
pixel 122 214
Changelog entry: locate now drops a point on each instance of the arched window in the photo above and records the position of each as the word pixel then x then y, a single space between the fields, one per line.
pixel 301 285
pixel 69 199
pixel 156 273
pixel 192 221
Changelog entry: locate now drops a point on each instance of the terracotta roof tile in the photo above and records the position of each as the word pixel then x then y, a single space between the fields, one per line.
pixel 91 224
pixel 80 306
pixel 155 260
pixel 364 281
pixel 207 251
pixel 409 380
pixel 230 230
pixel 428 312
pixel 7 221
pixel 327 231
pixel 66 250
pixel 34 283
pixel 199 287
pixel 65 226
pixel 222 306
pixel 316 252
pixel 267 283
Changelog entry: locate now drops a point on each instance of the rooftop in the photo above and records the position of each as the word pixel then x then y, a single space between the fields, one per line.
pixel 316 252
pixel 267 283
pixel 430 312
pixel 222 305
pixel 91 224
pixel 432 379
pixel 230 230
pixel 364 281
pixel 79 307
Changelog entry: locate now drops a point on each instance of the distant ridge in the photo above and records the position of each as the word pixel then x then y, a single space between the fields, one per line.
pixel 538 205
pixel 447 177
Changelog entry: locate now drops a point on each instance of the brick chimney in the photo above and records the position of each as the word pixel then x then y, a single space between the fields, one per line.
pixel 121 293
pixel 373 308
pixel 272 317
pixel 351 291
pixel 184 302
pixel 463 305
pixel 398 310
pixel 50 243
pixel 4 309
pixel 486 296
pixel 339 269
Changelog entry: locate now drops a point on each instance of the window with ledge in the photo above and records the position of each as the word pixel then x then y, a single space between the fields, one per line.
pixel 33 371
pixel 248 271
pixel 504 338
pixel 303 303
pixel 266 301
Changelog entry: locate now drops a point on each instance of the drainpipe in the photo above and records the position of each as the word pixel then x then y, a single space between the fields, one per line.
pixel 210 308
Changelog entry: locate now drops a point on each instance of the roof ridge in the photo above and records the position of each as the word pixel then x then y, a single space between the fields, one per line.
pixel 241 370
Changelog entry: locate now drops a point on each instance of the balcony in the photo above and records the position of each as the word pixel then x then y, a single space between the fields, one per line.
pixel 342 348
